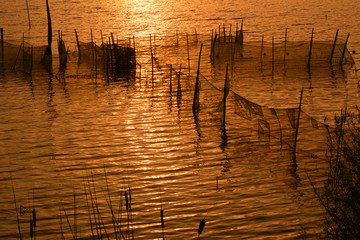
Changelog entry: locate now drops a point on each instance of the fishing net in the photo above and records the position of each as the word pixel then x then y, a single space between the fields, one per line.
pixel 275 126
pixel 113 60
pixel 295 58
pixel 22 56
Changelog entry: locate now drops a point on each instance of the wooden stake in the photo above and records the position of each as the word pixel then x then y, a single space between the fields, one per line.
pixel 333 47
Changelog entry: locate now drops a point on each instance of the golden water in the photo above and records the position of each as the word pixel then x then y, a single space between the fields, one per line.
pixel 55 132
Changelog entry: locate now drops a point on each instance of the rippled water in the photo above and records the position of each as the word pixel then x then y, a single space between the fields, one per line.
pixel 56 132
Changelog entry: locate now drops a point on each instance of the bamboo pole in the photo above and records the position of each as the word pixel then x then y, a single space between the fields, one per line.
pixel 78 44
pixel 285 42
pixel 310 50
pixel 31 61
pixel 23 51
pixel 297 128
pixel 273 56
pixel 196 104
pixel 226 93
pixel 224 32
pixel 48 49
pixel 179 93
pixel 92 46
pixel 261 49
pixel 343 53
pixel 28 13
pixel 2 47
pixel 177 38
pixel 170 79
pixel 188 51
pixel 241 32
pixel 333 47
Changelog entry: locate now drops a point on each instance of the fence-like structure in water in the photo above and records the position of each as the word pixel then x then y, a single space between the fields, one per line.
pixel 115 60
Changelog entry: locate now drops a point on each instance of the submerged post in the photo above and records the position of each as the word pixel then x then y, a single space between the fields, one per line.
pixel 333 47
pixel 196 104
pixel 343 53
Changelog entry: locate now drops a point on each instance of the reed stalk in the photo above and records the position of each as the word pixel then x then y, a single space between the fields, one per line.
pixel 162 222
pixel 100 220
pixel 75 215
pixel 61 226
pixel 201 227
pixel 89 212
pixel 16 208
pixel 114 221
pixel 68 221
